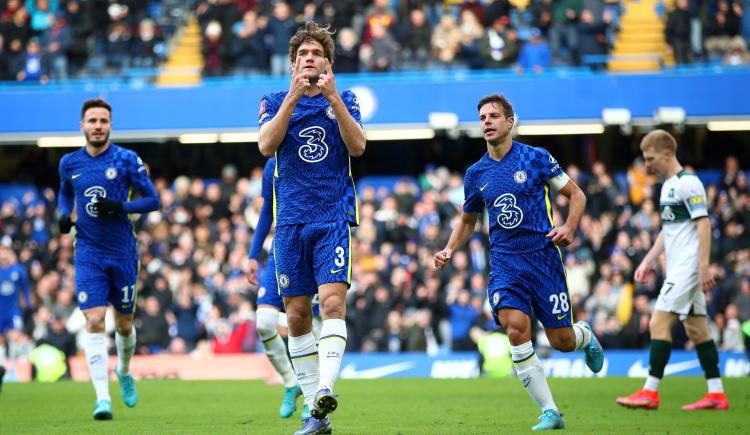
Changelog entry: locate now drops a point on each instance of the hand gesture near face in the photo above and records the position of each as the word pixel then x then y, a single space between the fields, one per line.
pixel 327 82
pixel 300 84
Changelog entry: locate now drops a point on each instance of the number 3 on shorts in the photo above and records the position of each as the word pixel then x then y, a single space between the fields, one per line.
pixel 340 261
pixel 560 303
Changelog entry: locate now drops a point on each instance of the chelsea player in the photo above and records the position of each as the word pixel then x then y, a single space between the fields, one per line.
pixel 13 283
pixel 98 180
pixel 313 130
pixel 512 181
pixel 269 302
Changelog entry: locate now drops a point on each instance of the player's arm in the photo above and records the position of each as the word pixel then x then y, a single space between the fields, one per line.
pixel 564 234
pixel 23 281
pixel 704 240
pixel 148 202
pixel 351 131
pixel 459 236
pixel 650 258
pixel 261 232
pixel 272 132
pixel 65 201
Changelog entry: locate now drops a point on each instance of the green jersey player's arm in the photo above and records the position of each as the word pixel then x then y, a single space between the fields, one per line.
pixel 703 225
pixel 649 259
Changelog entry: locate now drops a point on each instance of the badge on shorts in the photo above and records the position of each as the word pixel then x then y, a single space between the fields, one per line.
pixel 261 292
pixel 283 281
pixel 495 298
pixel 82 297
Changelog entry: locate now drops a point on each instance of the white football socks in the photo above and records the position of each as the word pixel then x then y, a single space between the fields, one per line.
pixel 98 362
pixel 266 321
pixel 331 351
pixel 531 374
pixel 125 349
pixel 583 336
pixel 304 355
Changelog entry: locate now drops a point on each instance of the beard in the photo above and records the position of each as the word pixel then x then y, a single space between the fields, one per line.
pixel 97 143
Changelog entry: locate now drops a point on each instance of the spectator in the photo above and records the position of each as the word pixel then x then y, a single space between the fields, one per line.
pixel 499 45
pixel 379 14
pixel 33 69
pixel 415 40
pixel 152 328
pixel 281 28
pixel 564 30
pixel 591 38
pixel 722 28
pixel 446 39
pixel 56 41
pixel 535 55
pixel 737 53
pixel 347 52
pixel 148 45
pixel 463 316
pixel 380 54
pixel 78 19
pixel 119 46
pixel 677 33
pixel 214 51
pixel 248 49
pixel 42 13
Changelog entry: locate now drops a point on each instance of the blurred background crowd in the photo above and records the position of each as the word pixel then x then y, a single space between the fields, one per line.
pixel 43 40
pixel 193 295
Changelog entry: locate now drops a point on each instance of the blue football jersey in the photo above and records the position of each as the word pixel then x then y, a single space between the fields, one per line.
pixel 312 178
pixel 112 175
pixel 514 191
pixel 266 187
pixel 13 283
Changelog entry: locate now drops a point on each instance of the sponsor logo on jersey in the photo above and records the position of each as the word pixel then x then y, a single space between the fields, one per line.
pixel 510 215
pixel 667 214
pixel 520 176
pixel 696 202
pixel 110 173
pixel 283 281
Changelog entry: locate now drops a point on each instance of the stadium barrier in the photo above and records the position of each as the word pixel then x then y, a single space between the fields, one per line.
pixel 384 365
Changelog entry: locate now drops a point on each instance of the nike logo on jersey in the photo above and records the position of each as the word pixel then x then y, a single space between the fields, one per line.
pixel 481 189
pixel 74 176
pixel 335 271
pixel 562 317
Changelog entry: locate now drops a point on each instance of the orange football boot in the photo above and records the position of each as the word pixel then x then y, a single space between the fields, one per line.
pixel 643 398
pixel 709 401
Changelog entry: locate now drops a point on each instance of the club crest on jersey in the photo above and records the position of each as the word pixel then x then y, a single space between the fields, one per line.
pixel 329 112
pixel 82 297
pixel 110 173
pixel 283 281
pixel 520 177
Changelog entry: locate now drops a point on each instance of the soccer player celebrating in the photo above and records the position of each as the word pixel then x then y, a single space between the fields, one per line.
pixel 97 181
pixel 269 301
pixel 313 130
pixel 13 283
pixel 512 181
pixel 685 238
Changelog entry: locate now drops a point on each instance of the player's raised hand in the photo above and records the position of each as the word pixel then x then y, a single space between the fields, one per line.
pixel 300 84
pixel 642 271
pixel 562 235
pixel 707 278
pixel 442 258
pixel 252 271
pixel 327 82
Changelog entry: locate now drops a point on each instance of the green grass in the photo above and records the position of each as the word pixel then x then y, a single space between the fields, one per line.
pixel 407 406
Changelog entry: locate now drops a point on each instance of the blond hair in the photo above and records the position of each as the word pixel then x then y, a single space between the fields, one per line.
pixel 659 140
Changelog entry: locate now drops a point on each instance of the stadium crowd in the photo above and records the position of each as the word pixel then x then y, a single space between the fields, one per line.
pixel 193 295
pixel 42 40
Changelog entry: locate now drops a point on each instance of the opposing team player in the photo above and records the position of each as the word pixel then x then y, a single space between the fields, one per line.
pixel 270 304
pixel 313 130
pixel 98 180
pixel 685 238
pixel 13 284
pixel 527 276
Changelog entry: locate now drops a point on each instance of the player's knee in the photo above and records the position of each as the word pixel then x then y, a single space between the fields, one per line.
pixel 298 320
pixel 124 327
pixel 266 328
pixel 516 335
pixel 563 342
pixel 95 323
pixel 332 308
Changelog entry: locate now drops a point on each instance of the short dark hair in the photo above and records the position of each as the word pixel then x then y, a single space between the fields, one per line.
pixel 95 102
pixel 311 32
pixel 500 100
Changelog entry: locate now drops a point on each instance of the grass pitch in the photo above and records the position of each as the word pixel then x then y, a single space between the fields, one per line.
pixel 392 406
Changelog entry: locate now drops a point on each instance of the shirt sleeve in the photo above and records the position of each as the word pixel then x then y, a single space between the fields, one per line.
pixel 65 198
pixel 550 167
pixel 267 111
pixel 266 212
pixel 352 105
pixel 693 195
pixel 473 202
pixel 149 200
